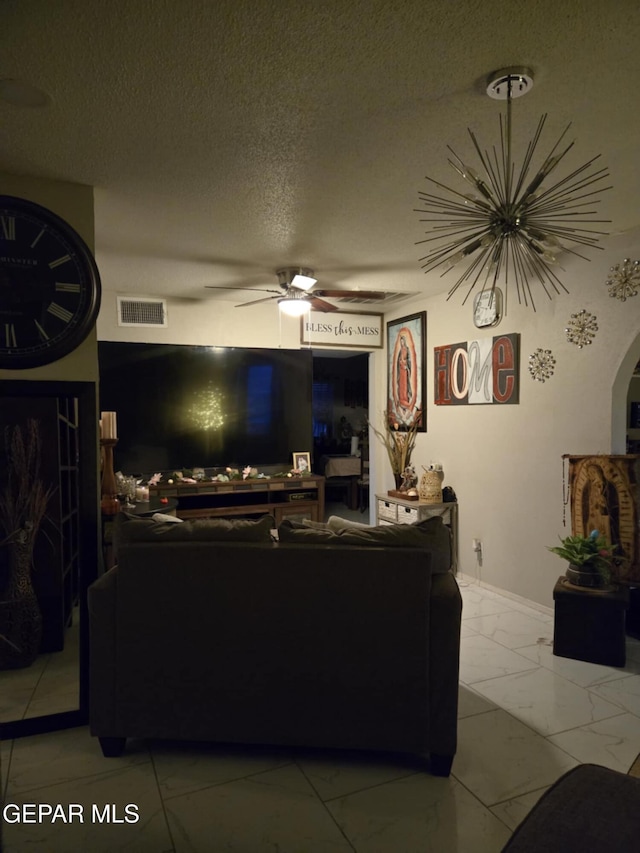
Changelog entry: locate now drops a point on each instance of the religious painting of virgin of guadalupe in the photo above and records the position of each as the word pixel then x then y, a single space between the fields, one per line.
pixel 605 497
pixel 406 376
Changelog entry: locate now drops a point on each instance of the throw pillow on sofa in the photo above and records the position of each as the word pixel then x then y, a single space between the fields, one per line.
pixel 431 535
pixel 336 523
pixel 197 529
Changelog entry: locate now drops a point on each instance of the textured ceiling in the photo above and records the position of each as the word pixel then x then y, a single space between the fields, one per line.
pixel 226 139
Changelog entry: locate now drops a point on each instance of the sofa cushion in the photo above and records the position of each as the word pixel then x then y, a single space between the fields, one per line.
pixel 336 523
pixel 312 525
pixel 194 530
pixel 431 535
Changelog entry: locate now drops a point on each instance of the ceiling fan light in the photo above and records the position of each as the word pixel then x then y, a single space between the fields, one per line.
pixel 304 282
pixel 293 307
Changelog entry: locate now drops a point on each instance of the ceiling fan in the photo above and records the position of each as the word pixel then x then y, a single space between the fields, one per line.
pixel 296 296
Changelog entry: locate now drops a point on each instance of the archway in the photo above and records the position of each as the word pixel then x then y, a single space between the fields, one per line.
pixel 619 392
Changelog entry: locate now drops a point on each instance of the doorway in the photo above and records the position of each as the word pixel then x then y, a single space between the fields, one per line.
pixel 633 412
pixel 624 386
pixel 340 429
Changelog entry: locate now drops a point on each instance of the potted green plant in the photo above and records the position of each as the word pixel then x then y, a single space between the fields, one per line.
pixel 23 505
pixel 590 558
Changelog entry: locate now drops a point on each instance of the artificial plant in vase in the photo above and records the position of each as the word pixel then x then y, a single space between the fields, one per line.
pixel 590 558
pixel 23 504
pixel 398 443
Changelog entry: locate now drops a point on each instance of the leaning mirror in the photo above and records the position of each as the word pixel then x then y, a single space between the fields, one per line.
pixel 49 544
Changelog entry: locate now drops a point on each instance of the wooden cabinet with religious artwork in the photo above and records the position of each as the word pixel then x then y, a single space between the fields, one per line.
pixel 604 493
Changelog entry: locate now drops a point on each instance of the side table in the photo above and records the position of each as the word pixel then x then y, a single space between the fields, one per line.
pixel 589 623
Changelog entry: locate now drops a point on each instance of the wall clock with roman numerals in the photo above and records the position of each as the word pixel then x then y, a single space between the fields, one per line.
pixel 49 285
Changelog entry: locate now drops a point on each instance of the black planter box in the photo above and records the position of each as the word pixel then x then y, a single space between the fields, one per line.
pixel 633 613
pixel 589 624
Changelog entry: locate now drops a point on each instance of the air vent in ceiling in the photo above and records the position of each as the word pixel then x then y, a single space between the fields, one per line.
pixel 141 312
pixel 389 297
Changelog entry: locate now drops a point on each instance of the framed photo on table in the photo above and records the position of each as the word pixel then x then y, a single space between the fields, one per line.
pixel 406 374
pixel 302 462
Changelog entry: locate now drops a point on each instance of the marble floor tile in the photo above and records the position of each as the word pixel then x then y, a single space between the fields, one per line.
pixel 27 676
pixel 50 675
pixel 625 692
pixel 272 811
pixel 482 658
pixel 48 759
pixel 250 800
pixel 580 672
pixel 61 669
pixel 545 701
pixel 499 758
pixel 474 607
pixel 470 703
pixel 513 812
pixel 614 742
pixel 183 767
pixel 126 786
pixel 530 608
pixel 17 687
pixel 53 702
pixel 417 814
pixel 14 703
pixel 471 589
pixel 512 629
pixel 545 615
pixel 58 689
pixel 334 774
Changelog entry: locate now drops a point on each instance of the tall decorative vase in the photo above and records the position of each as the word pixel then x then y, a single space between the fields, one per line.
pixel 20 616
pixel 109 503
pixel 398 478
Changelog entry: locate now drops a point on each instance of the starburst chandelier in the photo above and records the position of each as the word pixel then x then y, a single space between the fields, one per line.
pixel 512 227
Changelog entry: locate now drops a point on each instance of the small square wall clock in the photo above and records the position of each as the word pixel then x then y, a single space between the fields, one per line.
pixel 487 308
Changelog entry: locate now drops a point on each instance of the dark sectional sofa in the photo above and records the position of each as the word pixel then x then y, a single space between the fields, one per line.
pixel 210 630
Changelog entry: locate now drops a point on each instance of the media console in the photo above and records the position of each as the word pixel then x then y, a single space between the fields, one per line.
pixel 282 497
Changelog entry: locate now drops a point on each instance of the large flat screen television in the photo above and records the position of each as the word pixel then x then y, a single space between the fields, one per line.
pixel 194 406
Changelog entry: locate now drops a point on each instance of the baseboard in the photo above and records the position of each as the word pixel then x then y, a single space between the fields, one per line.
pixel 471 581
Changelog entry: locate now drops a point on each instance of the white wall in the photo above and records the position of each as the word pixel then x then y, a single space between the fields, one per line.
pixel 505 462
pixel 205 322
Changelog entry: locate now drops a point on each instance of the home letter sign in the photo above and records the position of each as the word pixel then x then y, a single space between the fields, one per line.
pixel 483 371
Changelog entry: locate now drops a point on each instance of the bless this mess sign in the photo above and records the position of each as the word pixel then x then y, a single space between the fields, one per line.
pixel 342 330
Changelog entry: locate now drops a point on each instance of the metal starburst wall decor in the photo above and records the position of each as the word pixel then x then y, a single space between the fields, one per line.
pixel 581 329
pixel 513 225
pixel 541 365
pixel 624 280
